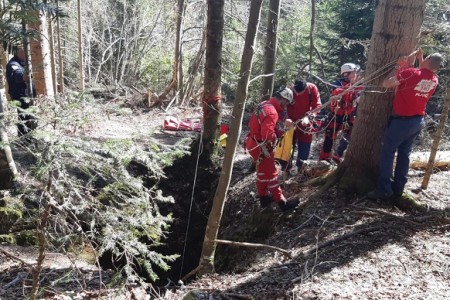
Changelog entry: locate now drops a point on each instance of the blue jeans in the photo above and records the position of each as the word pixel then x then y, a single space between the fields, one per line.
pixel 343 144
pixel 303 153
pixel 399 137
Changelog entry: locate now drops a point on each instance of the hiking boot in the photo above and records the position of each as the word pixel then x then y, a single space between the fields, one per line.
pixel 377 195
pixel 288 204
pixel 265 201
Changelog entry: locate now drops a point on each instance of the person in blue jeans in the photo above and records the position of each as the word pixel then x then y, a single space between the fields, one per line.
pixel 414 87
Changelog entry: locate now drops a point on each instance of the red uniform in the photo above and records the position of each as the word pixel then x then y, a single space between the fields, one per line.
pixel 343 111
pixel 304 102
pixel 416 87
pixel 260 144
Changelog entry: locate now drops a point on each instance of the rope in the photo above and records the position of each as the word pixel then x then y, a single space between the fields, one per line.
pixel 376 74
pixel 200 145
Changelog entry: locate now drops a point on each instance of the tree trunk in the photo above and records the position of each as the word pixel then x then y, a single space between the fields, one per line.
pixel 3 82
pixel 51 39
pixel 60 56
pixel 270 49
pixel 177 59
pixel 8 170
pixel 212 98
pixel 395 33
pixel 209 244
pixel 437 139
pixel 40 54
pixel 80 47
pixel 311 33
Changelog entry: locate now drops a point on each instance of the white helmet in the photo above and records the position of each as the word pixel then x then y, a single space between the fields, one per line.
pixel 349 67
pixel 286 93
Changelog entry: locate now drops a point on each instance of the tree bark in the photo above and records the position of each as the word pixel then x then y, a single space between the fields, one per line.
pixel 395 33
pixel 60 56
pixel 80 47
pixel 209 243
pixel 40 54
pixel 270 49
pixel 51 39
pixel 8 170
pixel 311 33
pixel 212 98
pixel 437 139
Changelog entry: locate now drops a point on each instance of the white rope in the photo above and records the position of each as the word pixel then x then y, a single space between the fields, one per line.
pixel 200 146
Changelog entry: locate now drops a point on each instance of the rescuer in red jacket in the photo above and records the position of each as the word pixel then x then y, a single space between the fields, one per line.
pixel 260 143
pixel 306 98
pixel 343 109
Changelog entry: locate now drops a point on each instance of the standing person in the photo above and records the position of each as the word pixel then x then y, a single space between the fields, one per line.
pixel 413 88
pixel 343 110
pixel 306 98
pixel 260 143
pixel 347 133
pixel 18 90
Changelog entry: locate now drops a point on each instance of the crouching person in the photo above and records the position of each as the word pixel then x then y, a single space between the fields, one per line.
pixel 260 143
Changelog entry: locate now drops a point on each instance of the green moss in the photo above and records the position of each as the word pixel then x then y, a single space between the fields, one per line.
pixel 8 217
pixel 26 238
pixel 7 238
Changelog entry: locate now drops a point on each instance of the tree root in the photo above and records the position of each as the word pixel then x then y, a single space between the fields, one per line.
pixel 386 213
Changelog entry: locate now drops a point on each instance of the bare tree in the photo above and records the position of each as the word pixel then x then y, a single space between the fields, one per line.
pixel 80 47
pixel 40 54
pixel 212 98
pixel 270 49
pixel 60 56
pixel 209 243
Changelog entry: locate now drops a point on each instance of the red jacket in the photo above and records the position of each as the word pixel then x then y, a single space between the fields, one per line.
pixel 415 89
pixel 346 105
pixel 304 102
pixel 264 120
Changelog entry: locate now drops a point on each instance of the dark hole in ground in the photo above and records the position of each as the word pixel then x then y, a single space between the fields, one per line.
pixel 189 219
pixel 186 232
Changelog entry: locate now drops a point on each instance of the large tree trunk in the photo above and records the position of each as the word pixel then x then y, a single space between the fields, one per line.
pixel 270 50
pixel 212 98
pixel 395 33
pixel 209 243
pixel 40 55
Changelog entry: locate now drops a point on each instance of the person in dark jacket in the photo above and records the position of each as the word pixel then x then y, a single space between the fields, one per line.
pixel 18 82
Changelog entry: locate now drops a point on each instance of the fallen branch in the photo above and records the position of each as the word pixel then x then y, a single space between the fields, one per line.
pixel 251 245
pixel 15 257
pixel 236 296
pixel 387 214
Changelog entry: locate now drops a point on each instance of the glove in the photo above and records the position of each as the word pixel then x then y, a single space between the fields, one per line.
pixel 305 121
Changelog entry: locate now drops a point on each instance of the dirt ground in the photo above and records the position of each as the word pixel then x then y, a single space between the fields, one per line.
pixel 340 247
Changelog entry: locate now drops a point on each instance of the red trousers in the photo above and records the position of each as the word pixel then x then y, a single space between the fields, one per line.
pixel 266 171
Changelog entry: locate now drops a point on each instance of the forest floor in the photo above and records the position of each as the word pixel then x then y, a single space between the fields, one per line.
pixel 340 246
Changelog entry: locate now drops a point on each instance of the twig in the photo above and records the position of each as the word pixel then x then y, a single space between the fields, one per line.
pixel 15 257
pixel 191 273
pixel 333 241
pixel 16 280
pixel 251 245
pixel 304 223
pixel 387 214
pixel 236 296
